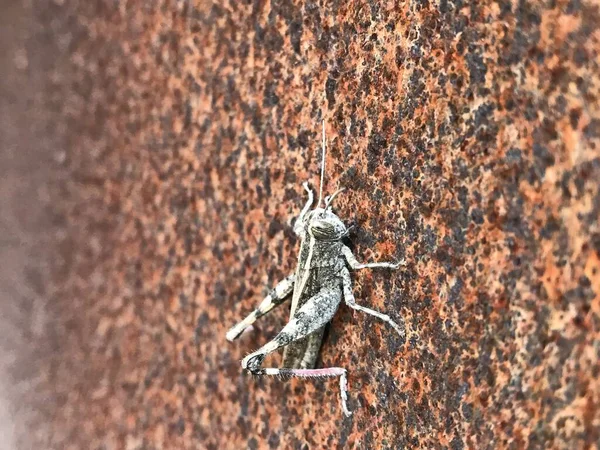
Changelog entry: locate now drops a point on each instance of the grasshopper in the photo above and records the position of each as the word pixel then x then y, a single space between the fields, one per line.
pixel 318 285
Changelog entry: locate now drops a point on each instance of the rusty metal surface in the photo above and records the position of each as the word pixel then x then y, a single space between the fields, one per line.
pixel 466 135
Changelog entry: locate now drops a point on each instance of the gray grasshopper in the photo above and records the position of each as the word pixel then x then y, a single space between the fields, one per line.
pixel 320 282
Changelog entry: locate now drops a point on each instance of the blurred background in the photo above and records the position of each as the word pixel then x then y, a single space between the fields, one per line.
pixel 32 228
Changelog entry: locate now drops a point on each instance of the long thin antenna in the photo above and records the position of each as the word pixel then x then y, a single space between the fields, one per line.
pixel 322 168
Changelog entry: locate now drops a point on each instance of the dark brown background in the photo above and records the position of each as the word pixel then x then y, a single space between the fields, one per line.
pixel 152 160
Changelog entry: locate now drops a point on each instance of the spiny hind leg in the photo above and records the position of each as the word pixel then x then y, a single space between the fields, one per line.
pixel 351 302
pixel 256 360
pixel 318 373
pixel 312 316
pixel 274 298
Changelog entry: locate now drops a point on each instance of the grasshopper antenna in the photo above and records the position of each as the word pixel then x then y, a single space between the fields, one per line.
pixel 322 168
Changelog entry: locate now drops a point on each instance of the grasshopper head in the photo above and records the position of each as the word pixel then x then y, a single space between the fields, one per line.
pixel 324 225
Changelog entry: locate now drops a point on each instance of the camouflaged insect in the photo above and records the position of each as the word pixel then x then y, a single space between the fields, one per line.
pixel 320 282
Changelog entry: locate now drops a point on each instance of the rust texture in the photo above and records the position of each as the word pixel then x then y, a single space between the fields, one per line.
pixel 466 134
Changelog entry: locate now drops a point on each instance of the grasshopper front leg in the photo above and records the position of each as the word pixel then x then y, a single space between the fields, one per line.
pixel 355 265
pixel 299 224
pixel 350 301
pixel 274 298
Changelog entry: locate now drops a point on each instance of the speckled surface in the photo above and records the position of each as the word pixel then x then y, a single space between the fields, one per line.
pixel 467 136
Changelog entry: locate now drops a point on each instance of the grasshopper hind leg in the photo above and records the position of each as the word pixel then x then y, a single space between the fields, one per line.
pixel 318 373
pixel 276 297
pixel 310 319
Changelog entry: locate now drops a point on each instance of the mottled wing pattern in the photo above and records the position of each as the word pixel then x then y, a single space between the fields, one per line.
pixel 302 354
